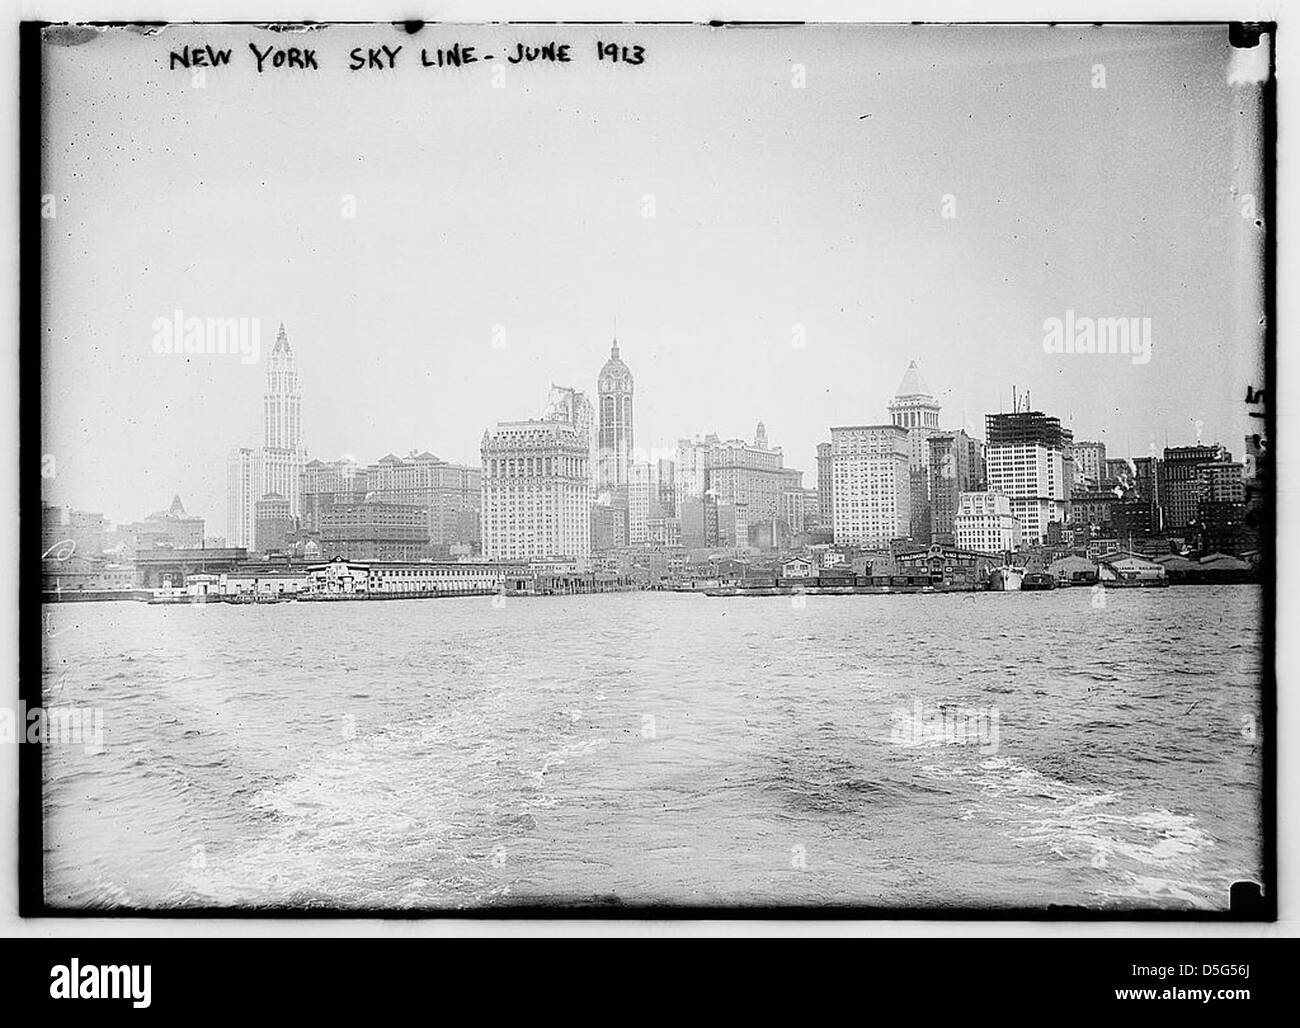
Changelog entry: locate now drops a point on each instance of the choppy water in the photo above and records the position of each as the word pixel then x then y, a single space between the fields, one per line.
pixel 661 748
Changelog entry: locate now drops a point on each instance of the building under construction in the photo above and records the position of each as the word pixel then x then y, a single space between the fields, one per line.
pixel 1026 428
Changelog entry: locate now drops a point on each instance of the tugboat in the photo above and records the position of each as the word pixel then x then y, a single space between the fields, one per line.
pixel 1006 579
pixel 1038 581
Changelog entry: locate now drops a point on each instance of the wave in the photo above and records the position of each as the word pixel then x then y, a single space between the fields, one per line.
pixel 1130 852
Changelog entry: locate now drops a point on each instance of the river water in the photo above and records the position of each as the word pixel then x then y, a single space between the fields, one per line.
pixel 974 750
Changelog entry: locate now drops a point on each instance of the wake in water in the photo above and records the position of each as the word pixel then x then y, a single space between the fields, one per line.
pixel 456 772
pixel 1130 856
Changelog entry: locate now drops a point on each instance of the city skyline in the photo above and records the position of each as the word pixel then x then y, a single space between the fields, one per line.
pixel 897 399
pixel 813 257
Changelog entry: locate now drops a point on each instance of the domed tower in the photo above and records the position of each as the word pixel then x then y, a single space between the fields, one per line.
pixel 915 409
pixel 913 406
pixel 614 436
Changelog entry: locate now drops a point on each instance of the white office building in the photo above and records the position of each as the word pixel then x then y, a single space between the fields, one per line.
pixel 984 522
pixel 872 485
pixel 537 493
pixel 1025 458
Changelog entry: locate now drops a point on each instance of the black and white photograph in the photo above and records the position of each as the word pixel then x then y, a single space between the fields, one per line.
pixel 641 469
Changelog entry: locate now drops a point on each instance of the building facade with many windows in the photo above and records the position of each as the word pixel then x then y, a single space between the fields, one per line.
pixel 956 467
pixel 1183 483
pixel 283 454
pixel 614 394
pixel 1224 482
pixel 985 523
pixel 276 466
pixel 641 488
pixel 752 474
pixel 537 494
pixel 171 527
pixel 449 494
pixel 1025 458
pixel 691 471
pixel 915 409
pixel 272 523
pixel 243 490
pixel 1089 466
pixel 825 484
pixel 324 483
pixel 873 488
pixel 374 530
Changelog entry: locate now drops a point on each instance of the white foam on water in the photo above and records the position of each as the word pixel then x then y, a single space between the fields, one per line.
pixel 556 758
pixel 1152 854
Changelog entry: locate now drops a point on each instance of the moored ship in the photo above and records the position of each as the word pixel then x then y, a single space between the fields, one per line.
pixel 1006 579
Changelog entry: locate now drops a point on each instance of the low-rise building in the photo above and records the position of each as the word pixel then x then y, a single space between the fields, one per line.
pixel 75 573
pixel 984 523
pixel 441 578
pixel 1098 548
pixel 168 568
pixel 203 585
pixel 338 578
pixel 259 580
pixel 945 565
pixel 797 567
pixel 1073 570
pixel 1128 567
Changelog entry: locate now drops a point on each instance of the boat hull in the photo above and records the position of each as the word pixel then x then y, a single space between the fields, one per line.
pixel 1006 580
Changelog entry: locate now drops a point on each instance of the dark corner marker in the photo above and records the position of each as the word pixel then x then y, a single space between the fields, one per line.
pixel 1247 900
pixel 1244 35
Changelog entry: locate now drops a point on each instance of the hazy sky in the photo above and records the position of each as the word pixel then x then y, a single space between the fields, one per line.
pixel 522 206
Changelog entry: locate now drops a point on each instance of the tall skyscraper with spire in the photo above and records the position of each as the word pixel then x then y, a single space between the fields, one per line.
pixel 276 467
pixel 283 456
pixel 614 435
pixel 283 403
